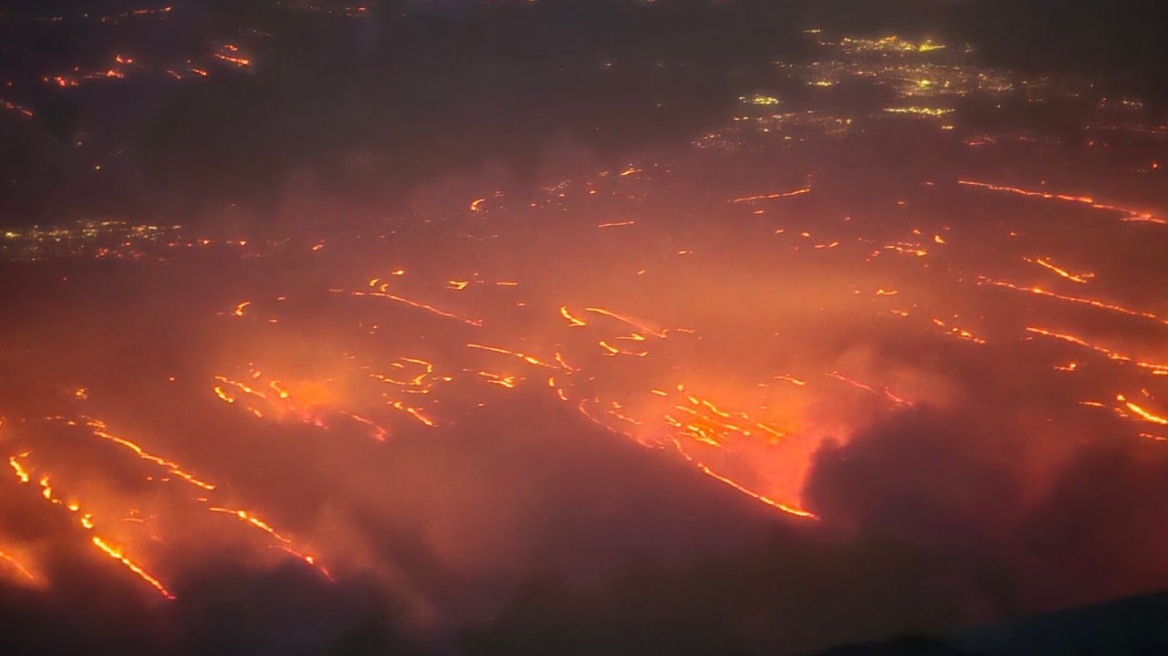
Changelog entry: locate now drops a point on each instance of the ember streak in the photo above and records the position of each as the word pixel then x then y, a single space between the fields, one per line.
pixel 858 302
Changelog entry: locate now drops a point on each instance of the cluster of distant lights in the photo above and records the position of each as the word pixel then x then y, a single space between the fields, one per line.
pixel 157 12
pixel 83 229
pixel 349 11
pixel 916 71
pixel 849 50
pixel 909 67
pixel 904 64
pixel 107 239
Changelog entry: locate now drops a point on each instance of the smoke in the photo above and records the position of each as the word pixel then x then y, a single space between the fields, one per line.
pixel 224 609
pixel 1022 522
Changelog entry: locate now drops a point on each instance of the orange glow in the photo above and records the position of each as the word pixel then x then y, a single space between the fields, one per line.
pixel 884 392
pixel 1102 305
pixel 826 342
pixel 413 412
pixel 497 379
pixel 907 249
pixel 252 520
pixel 17 566
pixel 959 332
pixel 774 196
pixel 415 304
pixel 1142 413
pixel 21 472
pixel 526 358
pixel 790 510
pixel 613 350
pixel 378 433
pixel 86 521
pixel 1062 273
pixel 241 62
pixel 99 430
pixel 573 321
pixel 1131 214
pixel 1156 369
pixel 632 322
pixel 117 555
pixel 242 387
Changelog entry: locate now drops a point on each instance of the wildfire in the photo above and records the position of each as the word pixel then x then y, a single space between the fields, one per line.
pixel 1155 369
pixel 883 392
pixel 117 555
pixel 18 567
pixel 1090 302
pixel 774 196
pixel 832 308
pixel 415 304
pixel 252 520
pixel 790 510
pixel 632 322
pixel 1141 412
pixel 99 429
pixel 959 332
pixel 86 521
pixel 573 321
pixel 1081 278
pixel 1129 213
pixel 526 358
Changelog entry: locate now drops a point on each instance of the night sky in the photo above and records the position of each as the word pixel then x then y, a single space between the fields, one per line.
pixel 504 327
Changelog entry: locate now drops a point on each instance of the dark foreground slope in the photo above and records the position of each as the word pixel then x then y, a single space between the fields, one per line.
pixel 1133 626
